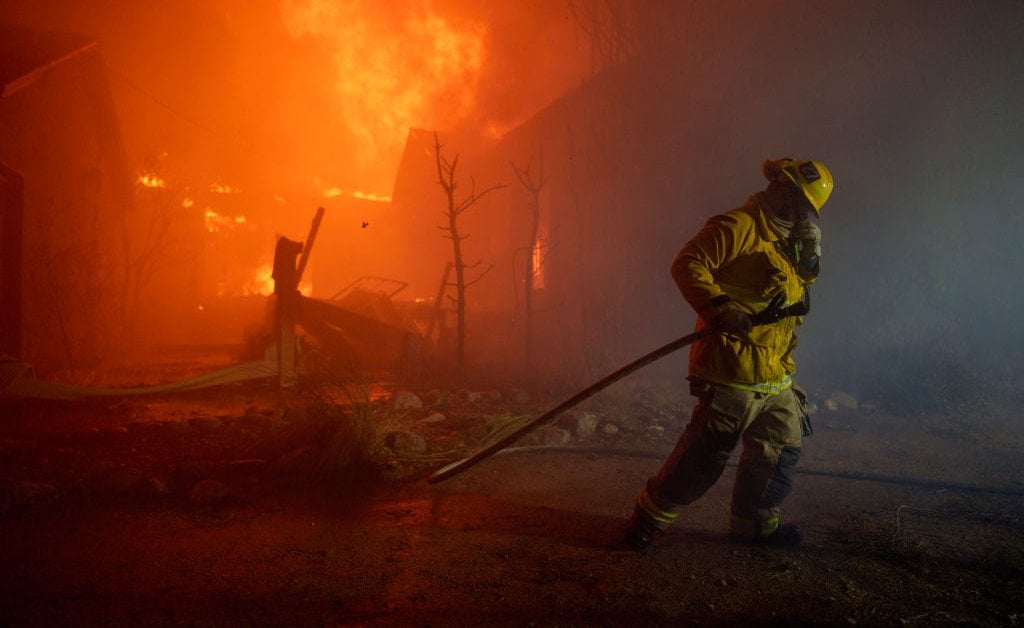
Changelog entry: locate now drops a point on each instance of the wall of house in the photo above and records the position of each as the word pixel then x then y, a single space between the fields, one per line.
pixel 61 136
pixel 920 135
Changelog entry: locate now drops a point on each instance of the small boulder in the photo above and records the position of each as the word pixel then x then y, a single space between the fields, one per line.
pixel 432 419
pixel 298 460
pixel 840 400
pixel 405 400
pixel 519 396
pixel 206 492
pixel 581 423
pixel 447 443
pixel 405 442
pixel 550 436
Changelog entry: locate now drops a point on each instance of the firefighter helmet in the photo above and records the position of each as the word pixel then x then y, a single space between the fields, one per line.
pixel 812 177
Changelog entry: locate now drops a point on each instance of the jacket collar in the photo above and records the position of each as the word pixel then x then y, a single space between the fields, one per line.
pixel 756 207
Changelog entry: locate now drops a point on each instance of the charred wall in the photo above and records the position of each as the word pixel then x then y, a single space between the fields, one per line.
pixel 61 137
pixel 911 106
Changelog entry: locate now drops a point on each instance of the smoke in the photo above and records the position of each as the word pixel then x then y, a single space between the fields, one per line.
pixel 326 90
pixel 914 106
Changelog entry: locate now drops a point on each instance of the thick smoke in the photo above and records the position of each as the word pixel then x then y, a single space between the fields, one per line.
pixel 915 106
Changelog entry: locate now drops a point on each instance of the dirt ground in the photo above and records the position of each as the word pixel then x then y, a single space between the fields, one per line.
pixel 223 508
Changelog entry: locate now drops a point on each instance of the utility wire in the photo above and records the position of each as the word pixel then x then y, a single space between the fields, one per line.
pixel 236 143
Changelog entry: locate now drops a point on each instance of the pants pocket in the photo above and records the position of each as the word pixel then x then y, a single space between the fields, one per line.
pixel 806 429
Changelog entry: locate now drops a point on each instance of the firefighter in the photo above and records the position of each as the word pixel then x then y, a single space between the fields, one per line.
pixel 767 251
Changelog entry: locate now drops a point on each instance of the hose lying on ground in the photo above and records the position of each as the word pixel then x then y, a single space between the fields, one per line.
pixel 844 475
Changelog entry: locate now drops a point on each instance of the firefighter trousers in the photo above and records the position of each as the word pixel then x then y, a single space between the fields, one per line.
pixel 771 427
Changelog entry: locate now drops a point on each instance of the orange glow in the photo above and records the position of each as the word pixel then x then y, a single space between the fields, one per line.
pixel 371 196
pixel 538 264
pixel 217 222
pixel 393 72
pixel 220 188
pixel 335 192
pixel 262 283
pixel 151 180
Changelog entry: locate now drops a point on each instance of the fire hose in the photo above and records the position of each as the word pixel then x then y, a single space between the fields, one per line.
pixel 775 311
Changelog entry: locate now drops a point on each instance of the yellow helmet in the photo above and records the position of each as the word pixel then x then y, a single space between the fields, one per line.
pixel 812 177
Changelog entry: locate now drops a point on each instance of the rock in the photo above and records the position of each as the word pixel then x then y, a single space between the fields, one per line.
pixel 157 486
pixel 519 396
pixel 405 400
pixel 204 424
pixel 206 492
pixel 249 466
pixel 581 423
pixel 839 399
pixel 630 423
pixel 404 441
pixel 491 396
pixel 176 427
pixel 122 481
pixel 18 493
pixel 299 460
pixel 432 419
pixel 435 397
pixel 459 396
pixel 191 471
pixel 18 445
pixel 550 436
pixel 146 428
pixel 447 443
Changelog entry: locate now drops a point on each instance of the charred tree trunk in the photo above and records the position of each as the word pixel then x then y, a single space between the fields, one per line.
pixel 446 179
pixel 534 187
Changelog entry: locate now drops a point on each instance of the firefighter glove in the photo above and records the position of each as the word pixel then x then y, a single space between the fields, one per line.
pixel 732 321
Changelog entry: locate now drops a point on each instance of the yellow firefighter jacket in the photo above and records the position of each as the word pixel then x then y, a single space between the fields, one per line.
pixel 736 260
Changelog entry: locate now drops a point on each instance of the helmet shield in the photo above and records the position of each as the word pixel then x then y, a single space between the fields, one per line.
pixel 812 177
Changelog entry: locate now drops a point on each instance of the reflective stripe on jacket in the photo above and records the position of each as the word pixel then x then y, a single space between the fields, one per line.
pixel 737 260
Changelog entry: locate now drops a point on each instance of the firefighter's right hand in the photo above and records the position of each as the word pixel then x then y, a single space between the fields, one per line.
pixel 732 321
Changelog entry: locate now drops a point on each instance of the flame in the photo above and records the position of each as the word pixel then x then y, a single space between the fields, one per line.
pixel 220 188
pixel 150 180
pixel 335 192
pixel 538 263
pixel 393 72
pixel 215 222
pixel 262 283
pixel 372 196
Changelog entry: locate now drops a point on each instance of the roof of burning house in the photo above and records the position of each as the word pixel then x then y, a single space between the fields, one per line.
pixel 26 54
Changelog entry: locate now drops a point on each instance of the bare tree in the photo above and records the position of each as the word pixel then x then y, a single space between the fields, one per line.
pixel 611 28
pixel 147 242
pixel 533 186
pixel 446 179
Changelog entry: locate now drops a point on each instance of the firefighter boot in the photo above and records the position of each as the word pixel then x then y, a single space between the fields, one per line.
pixel 769 532
pixel 640 529
pixel 786 535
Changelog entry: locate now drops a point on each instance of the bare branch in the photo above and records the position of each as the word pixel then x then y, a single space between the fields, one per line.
pixel 480 276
